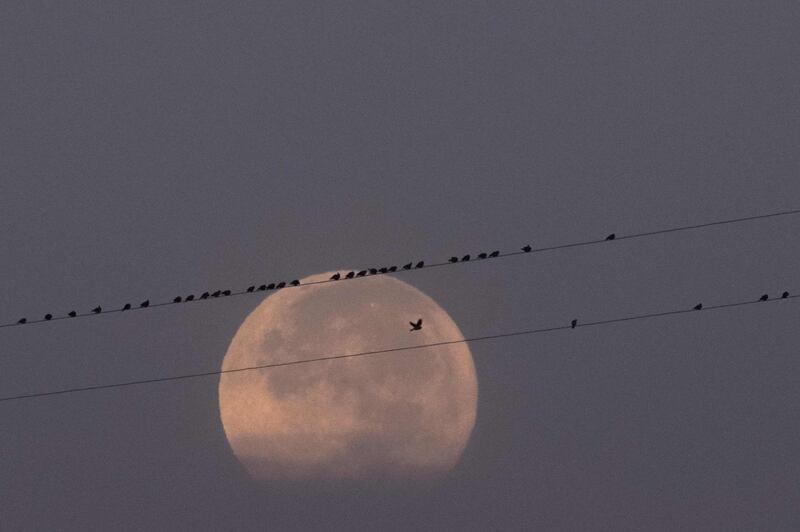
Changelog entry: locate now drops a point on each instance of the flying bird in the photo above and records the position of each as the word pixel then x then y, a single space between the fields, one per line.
pixel 574 323
pixel 420 264
pixel 22 321
pixel 72 314
pixel 465 258
pixel 764 297
pixel 350 275
pixel 126 307
pixel 494 254
pixel 280 284
pixel 612 236
pixel 145 303
pixel 527 249
pixel 251 289
pixel 415 326
pixel 407 266
pixel 699 306
pixel 336 276
pixel 97 310
pixel 454 259
pixel 178 299
pixel 190 297
pixel 482 255
pixel 784 295
pixel 295 283
pixel 48 317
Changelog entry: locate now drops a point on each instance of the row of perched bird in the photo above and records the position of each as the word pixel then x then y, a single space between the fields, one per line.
pixel 375 271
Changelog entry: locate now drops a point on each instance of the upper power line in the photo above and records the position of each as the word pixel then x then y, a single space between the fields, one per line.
pixel 384 270
pixel 574 324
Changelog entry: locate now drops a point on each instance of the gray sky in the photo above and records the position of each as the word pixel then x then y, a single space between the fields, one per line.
pixel 151 149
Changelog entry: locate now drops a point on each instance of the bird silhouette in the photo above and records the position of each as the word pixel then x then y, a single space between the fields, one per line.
pixel 453 259
pixel 217 293
pixel 362 273
pixel 384 270
pixel 251 289
pixel 145 303
pixel 336 276
pixel 612 236
pixel 126 307
pixel 482 255
pixel 415 326
pixel 22 321
pixel 393 269
pixel 764 297
pixel 420 264
pixel 72 314
pixel 97 310
pixel 177 299
pixel 190 297
pixel 271 286
pixel 205 295
pixel 373 271
pixel 784 295
pixel 350 275
pixel 574 323
pixel 226 292
pixel 494 254
pixel 465 258
pixel 699 306
pixel 48 317
pixel 280 284
pixel 407 266
pixel 295 283
pixel 527 249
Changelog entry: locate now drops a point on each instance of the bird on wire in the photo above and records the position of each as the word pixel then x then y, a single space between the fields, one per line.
pixel 22 321
pixel 574 323
pixel 482 255
pixel 407 266
pixel 415 326
pixel 465 258
pixel 494 254
pixel 420 264
pixel 784 295
pixel 72 314
pixel 350 275
pixel 48 317
pixel 612 236
pixel 190 297
pixel 271 286
pixel 453 259
pixel 295 283
pixel 373 271
pixel 336 276
pixel 126 307
pixel 97 310
pixel 764 297
pixel 177 299
pixel 362 273
pixel 251 289
pixel 226 292
pixel 392 269
pixel 205 295
pixel 527 249
pixel 699 306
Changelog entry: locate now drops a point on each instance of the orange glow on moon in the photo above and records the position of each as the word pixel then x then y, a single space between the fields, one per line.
pixel 395 415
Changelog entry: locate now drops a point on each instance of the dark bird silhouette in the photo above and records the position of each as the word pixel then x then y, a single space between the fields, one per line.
pixel 226 292
pixel 494 254
pixel 393 269
pixel 145 303
pixel 217 293
pixel 251 289
pixel 407 266
pixel 72 314
pixel 336 276
pixel 126 307
pixel 612 236
pixel 295 283
pixel 373 271
pixel 574 323
pixel 178 299
pixel 784 295
pixel 699 306
pixel 280 284
pixel 22 321
pixel 764 297
pixel 97 310
pixel 482 255
pixel 271 286
pixel 453 259
pixel 527 249
pixel 420 264
pixel 205 295
pixel 350 275
pixel 384 270
pixel 48 317
pixel 465 258
pixel 415 326
pixel 362 273
pixel 190 297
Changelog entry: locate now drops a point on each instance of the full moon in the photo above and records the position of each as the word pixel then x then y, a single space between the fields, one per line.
pixel 401 415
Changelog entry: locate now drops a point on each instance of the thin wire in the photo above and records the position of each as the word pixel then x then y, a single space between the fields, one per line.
pixel 437 265
pixel 394 349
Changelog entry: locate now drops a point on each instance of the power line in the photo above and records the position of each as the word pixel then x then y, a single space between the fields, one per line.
pixel 412 266
pixel 786 296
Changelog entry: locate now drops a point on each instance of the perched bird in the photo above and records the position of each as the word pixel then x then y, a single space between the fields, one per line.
pixel 48 317
pixel 393 269
pixel 295 283
pixel 362 273
pixel 407 266
pixel 190 297
pixel 612 236
pixel 251 289
pixel 415 326
pixel 126 307
pixel 482 255
pixel 494 254
pixel 420 264
pixel 145 303
pixel 527 249
pixel 574 323
pixel 384 270
pixel 350 275
pixel 205 295
pixel 454 259
pixel 217 293
pixel 764 297
pixel 97 310
pixel 784 295
pixel 373 271
pixel 699 306
pixel 336 276
pixel 22 321
pixel 271 286
pixel 177 299
pixel 226 292
pixel 280 284
pixel 72 314
pixel 465 258
pixel 262 287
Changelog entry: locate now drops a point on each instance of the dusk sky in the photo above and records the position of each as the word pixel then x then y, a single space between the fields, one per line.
pixel 155 149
